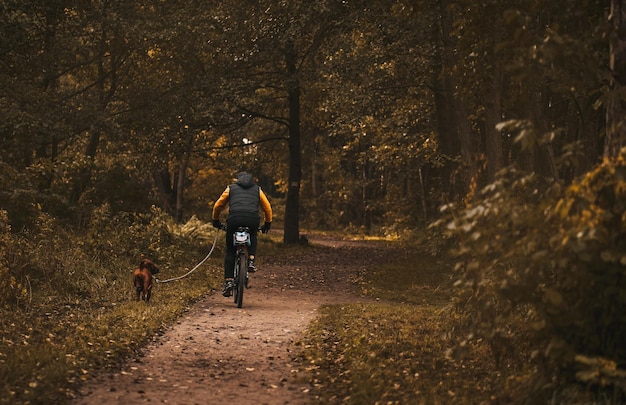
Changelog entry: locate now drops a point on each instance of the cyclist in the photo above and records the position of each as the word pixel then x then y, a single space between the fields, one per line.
pixel 244 198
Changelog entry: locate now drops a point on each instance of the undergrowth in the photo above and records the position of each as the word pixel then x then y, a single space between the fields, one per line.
pixel 389 353
pixel 397 349
pixel 540 278
pixel 69 308
pixel 419 341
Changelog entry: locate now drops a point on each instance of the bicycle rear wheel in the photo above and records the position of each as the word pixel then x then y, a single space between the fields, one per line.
pixel 241 279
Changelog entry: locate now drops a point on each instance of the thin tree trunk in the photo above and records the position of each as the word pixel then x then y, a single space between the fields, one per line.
pixel 182 177
pixel 446 140
pixel 84 176
pixel 180 188
pixel 163 182
pixel 315 186
pixel 493 114
pixel 423 194
pixel 544 160
pixel 460 121
pixel 615 126
pixel 292 203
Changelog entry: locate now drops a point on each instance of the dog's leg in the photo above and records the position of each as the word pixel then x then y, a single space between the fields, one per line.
pixel 138 283
pixel 148 287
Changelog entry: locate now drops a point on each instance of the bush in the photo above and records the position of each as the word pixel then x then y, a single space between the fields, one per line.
pixel 541 277
pixel 13 279
pixel 65 290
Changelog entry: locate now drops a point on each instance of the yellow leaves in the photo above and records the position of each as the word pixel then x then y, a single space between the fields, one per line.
pixel 539 325
pixel 598 370
pixel 553 297
pixel 620 188
pixel 265 92
pixel 154 52
pixel 563 207
pixel 610 256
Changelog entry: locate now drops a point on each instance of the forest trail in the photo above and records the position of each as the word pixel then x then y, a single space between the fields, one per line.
pixel 218 353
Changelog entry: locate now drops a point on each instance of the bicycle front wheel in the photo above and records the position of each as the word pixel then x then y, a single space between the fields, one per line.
pixel 241 278
pixel 235 280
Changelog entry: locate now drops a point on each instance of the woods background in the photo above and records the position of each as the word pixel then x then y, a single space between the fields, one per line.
pixel 501 123
pixel 354 113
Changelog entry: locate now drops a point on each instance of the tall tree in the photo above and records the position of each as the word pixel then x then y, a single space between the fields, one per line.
pixel 615 109
pixel 105 59
pixel 36 51
pixel 456 94
pixel 271 47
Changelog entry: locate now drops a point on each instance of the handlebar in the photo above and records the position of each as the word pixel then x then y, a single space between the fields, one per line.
pixel 223 228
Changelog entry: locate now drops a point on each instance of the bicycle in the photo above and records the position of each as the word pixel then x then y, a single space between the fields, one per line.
pixel 241 241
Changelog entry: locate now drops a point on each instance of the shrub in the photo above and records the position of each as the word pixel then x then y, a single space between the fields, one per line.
pixel 65 290
pixel 541 277
pixel 13 279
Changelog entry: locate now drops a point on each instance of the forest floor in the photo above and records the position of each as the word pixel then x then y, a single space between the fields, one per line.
pixel 218 353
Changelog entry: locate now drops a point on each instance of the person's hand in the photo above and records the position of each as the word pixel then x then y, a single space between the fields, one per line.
pixel 266 227
pixel 217 224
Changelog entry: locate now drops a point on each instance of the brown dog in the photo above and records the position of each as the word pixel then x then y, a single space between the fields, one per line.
pixel 143 279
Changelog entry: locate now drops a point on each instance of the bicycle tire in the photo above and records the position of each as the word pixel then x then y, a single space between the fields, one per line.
pixel 241 278
pixel 235 280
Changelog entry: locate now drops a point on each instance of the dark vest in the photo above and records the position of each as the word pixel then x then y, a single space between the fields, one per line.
pixel 243 202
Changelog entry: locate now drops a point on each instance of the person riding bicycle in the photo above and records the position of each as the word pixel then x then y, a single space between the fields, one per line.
pixel 244 198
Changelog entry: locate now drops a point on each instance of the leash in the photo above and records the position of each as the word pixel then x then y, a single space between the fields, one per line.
pixel 197 265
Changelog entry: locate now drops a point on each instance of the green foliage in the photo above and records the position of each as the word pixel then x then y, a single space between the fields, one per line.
pixel 13 282
pixel 33 258
pixel 396 349
pixel 116 187
pixel 541 276
pixel 63 289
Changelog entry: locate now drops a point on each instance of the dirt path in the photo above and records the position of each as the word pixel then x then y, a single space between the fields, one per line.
pixel 218 353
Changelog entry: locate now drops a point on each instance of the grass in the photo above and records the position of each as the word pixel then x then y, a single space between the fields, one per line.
pixel 418 278
pixel 79 316
pixel 71 323
pixel 388 353
pixel 47 351
pixel 397 349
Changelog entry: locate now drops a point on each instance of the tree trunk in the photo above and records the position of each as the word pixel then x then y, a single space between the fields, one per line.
pixel 615 110
pixel 315 185
pixel 459 116
pixel 468 148
pixel 493 114
pixel 84 176
pixel 544 160
pixel 448 148
pixel 292 204
pixel 181 177
pixel 180 188
pixel 423 195
pixel 163 182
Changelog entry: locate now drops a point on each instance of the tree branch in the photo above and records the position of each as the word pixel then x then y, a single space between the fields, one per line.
pixel 241 145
